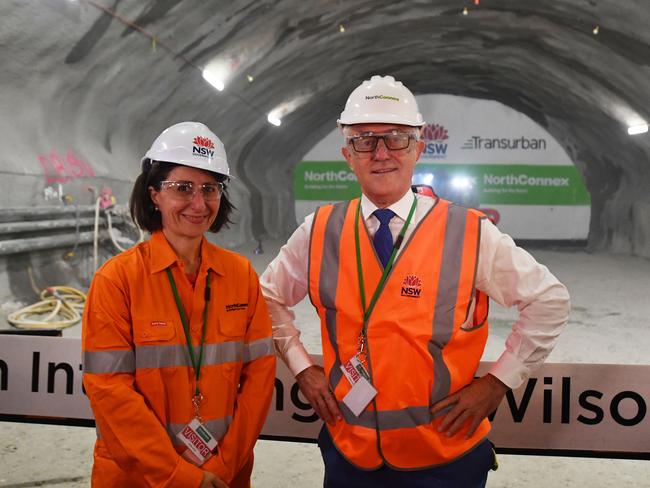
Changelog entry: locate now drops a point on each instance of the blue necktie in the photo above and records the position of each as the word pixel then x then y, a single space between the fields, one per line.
pixel 383 240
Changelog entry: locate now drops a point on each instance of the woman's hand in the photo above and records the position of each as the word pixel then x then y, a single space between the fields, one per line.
pixel 212 481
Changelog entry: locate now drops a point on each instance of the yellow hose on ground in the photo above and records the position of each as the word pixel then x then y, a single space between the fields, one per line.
pixel 60 307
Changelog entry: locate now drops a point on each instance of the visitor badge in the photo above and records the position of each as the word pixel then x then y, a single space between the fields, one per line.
pixel 199 442
pixel 354 370
pixel 360 395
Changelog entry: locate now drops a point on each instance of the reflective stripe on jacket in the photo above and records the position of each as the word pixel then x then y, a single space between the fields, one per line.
pixel 138 374
pixel 426 333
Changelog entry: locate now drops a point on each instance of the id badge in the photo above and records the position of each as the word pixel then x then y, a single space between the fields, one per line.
pixel 199 442
pixel 354 370
pixel 359 396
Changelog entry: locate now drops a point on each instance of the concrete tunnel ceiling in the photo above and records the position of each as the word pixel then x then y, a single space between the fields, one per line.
pixel 106 76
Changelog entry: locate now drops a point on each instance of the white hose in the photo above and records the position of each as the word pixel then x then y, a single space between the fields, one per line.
pixel 96 235
pixel 109 220
pixel 60 307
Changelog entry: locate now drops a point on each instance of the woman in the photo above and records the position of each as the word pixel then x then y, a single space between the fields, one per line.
pixel 161 406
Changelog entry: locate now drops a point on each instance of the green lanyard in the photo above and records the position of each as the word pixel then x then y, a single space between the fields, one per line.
pixel 389 265
pixel 196 365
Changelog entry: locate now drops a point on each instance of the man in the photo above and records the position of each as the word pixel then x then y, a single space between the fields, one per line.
pixel 400 282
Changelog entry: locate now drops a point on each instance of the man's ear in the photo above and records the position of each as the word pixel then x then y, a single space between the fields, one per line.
pixel 419 147
pixel 346 154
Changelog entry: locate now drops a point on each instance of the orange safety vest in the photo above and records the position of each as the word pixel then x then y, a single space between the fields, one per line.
pixel 138 374
pixel 426 334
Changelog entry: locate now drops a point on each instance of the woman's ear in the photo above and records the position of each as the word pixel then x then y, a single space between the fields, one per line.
pixel 154 195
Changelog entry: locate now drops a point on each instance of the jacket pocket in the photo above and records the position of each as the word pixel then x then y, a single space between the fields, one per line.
pixel 153 330
pixel 233 323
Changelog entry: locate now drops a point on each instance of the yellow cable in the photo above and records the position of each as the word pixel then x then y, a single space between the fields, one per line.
pixel 60 307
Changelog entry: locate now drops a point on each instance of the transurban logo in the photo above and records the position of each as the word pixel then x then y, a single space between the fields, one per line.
pixel 504 143
pixel 411 286
pixel 203 146
pixel 382 97
pixel 341 175
pixel 524 180
pixel 435 137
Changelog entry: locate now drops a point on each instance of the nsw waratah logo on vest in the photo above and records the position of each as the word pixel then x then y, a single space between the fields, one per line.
pixel 435 141
pixel 203 147
pixel 411 286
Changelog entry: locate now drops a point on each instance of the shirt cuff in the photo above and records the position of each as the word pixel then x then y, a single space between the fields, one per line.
pixel 297 359
pixel 510 370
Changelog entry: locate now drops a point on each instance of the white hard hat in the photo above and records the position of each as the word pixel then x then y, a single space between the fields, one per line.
pixel 381 100
pixel 190 144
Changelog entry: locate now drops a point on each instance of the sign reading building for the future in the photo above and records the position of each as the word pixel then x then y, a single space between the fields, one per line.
pixel 478 153
pixel 572 409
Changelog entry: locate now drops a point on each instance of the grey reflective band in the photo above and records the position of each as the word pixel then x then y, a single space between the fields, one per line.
pixel 328 277
pixel 443 321
pixel 406 418
pixel 257 349
pixel 173 355
pixel 113 361
pixel 176 355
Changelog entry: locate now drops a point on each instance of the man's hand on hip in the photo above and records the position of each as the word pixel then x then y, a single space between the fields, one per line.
pixel 471 404
pixel 314 386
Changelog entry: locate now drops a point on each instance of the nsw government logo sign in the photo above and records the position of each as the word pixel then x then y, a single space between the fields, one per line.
pixel 435 141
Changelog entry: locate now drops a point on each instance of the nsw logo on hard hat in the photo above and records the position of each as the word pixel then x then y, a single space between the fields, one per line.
pixel 203 146
pixel 411 286
pixel 435 141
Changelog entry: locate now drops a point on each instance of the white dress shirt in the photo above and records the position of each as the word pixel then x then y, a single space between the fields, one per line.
pixel 506 273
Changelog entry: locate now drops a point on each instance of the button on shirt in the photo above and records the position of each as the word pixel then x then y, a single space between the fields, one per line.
pixel 506 273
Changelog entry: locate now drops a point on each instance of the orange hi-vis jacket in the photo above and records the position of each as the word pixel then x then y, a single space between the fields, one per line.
pixel 138 374
pixel 426 333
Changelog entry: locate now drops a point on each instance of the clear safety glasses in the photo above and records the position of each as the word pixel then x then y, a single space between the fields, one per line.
pixel 185 190
pixel 394 140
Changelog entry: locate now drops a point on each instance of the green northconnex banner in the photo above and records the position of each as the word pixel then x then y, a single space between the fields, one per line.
pixel 512 184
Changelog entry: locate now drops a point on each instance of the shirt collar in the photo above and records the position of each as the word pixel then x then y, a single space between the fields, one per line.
pixel 401 207
pixel 163 256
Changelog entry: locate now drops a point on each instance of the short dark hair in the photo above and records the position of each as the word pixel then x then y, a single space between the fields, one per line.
pixel 143 210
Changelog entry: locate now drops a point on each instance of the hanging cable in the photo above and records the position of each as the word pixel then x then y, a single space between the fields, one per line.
pixel 111 233
pixel 96 235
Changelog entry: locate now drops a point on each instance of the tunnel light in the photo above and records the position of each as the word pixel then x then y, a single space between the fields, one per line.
pixel 461 182
pixel 465 11
pixel 214 80
pixel 341 28
pixel 637 129
pixel 596 30
pixel 250 78
pixel 274 119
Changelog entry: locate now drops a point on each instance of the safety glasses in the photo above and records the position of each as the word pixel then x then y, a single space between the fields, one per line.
pixel 185 190
pixel 394 140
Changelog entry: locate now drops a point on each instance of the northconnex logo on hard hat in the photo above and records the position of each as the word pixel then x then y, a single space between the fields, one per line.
pixel 381 97
pixel 205 146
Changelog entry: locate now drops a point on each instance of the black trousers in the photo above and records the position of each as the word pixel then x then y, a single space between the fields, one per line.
pixel 470 471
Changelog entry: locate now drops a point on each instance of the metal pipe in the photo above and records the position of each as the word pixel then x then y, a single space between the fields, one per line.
pixel 15 246
pixel 36 225
pixel 21 213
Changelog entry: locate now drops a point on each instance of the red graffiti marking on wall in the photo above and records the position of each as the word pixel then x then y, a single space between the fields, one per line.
pixel 59 169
